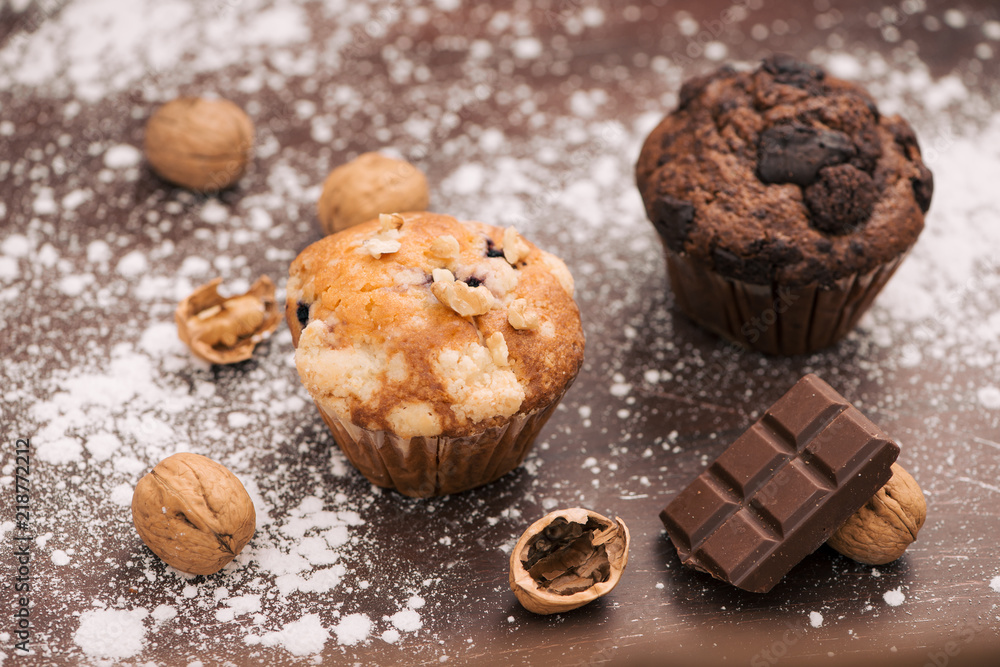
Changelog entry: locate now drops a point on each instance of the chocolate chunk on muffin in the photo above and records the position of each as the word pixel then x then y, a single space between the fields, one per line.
pixel 784 201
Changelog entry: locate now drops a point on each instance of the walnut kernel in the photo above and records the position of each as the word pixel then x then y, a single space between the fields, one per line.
pixel 377 246
pixel 386 241
pixel 225 331
pixel 198 143
pixel 367 186
pixel 445 247
pixel 193 513
pixel 522 317
pixel 514 247
pixel 880 531
pixel 464 300
pixel 389 222
pixel 497 345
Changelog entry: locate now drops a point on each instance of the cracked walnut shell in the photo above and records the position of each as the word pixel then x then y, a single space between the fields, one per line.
pixel 880 531
pixel 225 331
pixel 201 144
pixel 193 513
pixel 566 559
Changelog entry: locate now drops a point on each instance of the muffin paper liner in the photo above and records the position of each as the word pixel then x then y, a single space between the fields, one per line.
pixel 422 467
pixel 772 318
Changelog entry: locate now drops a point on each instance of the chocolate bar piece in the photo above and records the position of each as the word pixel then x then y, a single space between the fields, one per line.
pixel 781 489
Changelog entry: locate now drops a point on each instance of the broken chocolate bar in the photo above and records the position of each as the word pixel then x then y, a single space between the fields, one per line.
pixel 781 489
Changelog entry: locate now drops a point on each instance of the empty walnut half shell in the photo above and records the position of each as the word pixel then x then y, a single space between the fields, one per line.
pixel 566 559
pixel 225 331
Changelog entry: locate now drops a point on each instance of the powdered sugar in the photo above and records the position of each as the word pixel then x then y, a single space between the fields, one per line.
pixel 98 252
pixel 9 269
pixel 406 620
pixel 352 629
pixel 163 613
pixel 989 397
pixel 16 246
pixel 527 48
pixel 214 212
pixel 121 495
pixel 305 636
pixel 121 156
pixel 105 46
pixel 132 265
pixel 895 597
pixel 44 203
pixel 238 606
pixel 111 633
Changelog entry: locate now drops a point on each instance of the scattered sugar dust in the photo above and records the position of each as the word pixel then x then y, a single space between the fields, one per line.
pixel 406 620
pixel 162 613
pixel 895 597
pixel 112 633
pixel 120 156
pixel 989 397
pixel 118 420
pixel 106 46
pixel 305 636
pixel 60 557
pixel 352 629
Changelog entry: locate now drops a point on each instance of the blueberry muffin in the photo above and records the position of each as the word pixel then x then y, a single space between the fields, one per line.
pixel 434 349
pixel 784 201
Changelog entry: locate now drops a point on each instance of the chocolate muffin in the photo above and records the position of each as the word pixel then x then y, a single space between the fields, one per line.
pixel 434 349
pixel 784 201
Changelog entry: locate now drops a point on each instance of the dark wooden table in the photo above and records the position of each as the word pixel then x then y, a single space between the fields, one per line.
pixel 656 400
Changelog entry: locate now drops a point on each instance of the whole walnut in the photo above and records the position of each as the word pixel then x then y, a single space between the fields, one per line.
pixel 193 513
pixel 371 184
pixel 202 144
pixel 880 531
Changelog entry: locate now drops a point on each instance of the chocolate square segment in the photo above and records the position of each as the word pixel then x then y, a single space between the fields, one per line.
pixel 695 509
pixel 737 545
pixel 781 489
pixel 827 450
pixel 800 414
pixel 790 496
pixel 751 460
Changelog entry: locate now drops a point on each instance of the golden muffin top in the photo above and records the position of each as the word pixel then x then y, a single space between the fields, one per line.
pixel 422 325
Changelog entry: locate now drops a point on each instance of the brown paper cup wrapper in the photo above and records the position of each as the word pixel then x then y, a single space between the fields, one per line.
pixel 771 318
pixel 422 467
